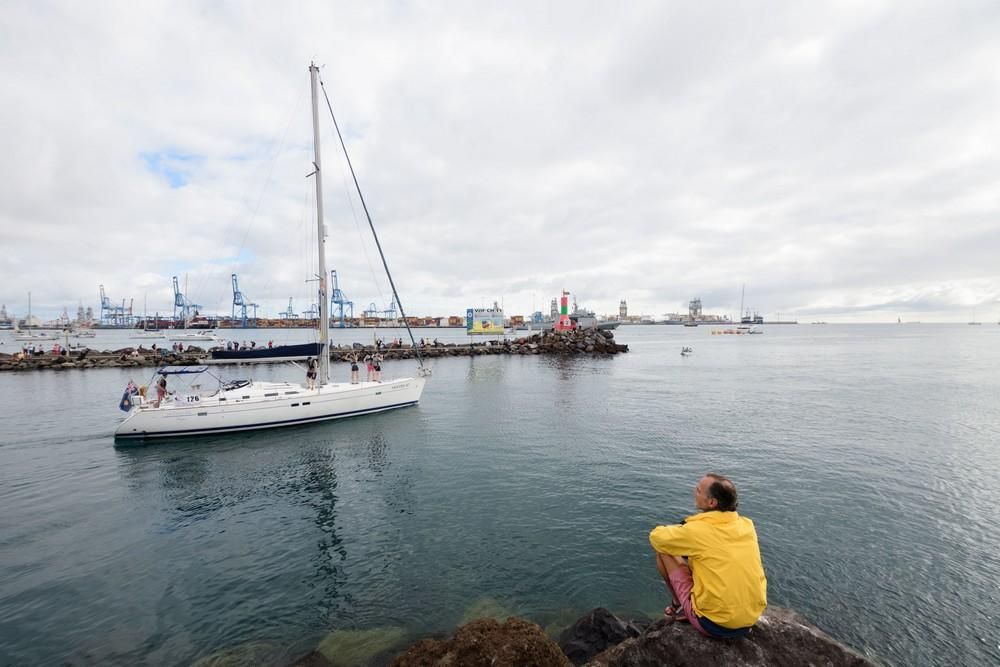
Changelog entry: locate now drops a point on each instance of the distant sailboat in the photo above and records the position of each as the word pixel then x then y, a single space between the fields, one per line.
pixel 31 336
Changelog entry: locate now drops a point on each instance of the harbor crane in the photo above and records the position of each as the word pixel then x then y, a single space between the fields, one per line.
pixel 112 315
pixel 372 313
pixel 312 313
pixel 338 303
pixel 180 301
pixel 288 314
pixel 243 303
pixel 390 312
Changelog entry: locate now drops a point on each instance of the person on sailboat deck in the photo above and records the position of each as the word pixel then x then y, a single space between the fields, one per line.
pixel 354 369
pixel 377 366
pixel 161 389
pixel 311 374
pixel 370 367
pixel 720 588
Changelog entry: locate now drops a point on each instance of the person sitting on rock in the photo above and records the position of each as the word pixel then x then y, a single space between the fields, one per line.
pixel 721 588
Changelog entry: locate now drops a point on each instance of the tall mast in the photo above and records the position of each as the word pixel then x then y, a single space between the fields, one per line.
pixel 324 306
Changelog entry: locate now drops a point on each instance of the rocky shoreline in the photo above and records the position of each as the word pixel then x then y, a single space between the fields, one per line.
pixel 567 343
pixel 781 638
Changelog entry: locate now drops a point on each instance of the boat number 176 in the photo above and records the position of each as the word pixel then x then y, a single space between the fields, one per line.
pixel 193 399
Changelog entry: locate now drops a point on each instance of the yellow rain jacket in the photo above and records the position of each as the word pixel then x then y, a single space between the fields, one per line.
pixel 729 584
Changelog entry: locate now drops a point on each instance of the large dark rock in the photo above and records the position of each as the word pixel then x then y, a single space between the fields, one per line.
pixel 781 638
pixel 487 642
pixel 594 633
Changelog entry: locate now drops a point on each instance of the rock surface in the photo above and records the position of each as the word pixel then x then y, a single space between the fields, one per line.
pixel 583 342
pixel 781 638
pixel 487 642
pixel 595 632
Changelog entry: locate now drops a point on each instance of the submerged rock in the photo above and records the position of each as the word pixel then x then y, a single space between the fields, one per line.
pixel 487 642
pixel 781 638
pixel 486 607
pixel 251 653
pixel 357 648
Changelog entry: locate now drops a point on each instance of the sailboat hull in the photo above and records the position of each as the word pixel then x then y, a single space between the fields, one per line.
pixel 263 405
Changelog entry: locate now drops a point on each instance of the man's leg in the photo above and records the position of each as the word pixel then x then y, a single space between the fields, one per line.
pixel 665 564
pixel 677 575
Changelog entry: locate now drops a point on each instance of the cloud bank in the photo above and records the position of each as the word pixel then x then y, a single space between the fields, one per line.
pixel 836 158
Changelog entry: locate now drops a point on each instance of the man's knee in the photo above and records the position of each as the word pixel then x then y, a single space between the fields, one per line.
pixel 667 563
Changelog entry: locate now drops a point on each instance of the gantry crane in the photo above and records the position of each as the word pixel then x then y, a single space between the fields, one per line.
pixel 288 314
pixel 338 303
pixel 180 301
pixel 243 303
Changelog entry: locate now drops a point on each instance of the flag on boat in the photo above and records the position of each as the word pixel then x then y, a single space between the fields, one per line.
pixel 126 403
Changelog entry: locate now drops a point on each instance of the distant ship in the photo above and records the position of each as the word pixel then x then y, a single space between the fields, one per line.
pixel 586 319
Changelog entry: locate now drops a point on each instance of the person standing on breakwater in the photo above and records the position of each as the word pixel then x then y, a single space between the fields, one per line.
pixel 721 589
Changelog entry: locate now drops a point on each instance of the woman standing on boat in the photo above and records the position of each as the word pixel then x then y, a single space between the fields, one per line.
pixel 161 390
pixel 354 369
pixel 370 367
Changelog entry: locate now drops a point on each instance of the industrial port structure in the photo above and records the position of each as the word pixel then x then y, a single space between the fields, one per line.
pixel 244 313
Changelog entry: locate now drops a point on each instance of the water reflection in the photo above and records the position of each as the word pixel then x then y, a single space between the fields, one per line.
pixel 319 487
pixel 378 453
pixel 485 370
pixel 571 367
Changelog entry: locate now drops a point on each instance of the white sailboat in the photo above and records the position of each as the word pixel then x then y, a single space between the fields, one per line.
pixel 146 332
pixel 249 404
pixel 31 336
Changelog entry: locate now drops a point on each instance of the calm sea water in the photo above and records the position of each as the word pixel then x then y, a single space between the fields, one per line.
pixel 867 456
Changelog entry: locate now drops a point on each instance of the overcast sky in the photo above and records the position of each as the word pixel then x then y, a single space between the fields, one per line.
pixel 839 159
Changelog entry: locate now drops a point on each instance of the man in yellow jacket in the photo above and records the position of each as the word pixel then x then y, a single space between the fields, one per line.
pixel 721 589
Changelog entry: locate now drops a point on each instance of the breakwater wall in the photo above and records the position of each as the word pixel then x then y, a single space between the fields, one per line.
pixel 587 342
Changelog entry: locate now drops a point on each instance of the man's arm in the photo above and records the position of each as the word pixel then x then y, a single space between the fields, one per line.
pixel 680 540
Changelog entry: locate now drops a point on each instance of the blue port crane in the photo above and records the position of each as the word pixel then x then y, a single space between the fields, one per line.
pixel 112 315
pixel 372 313
pixel 390 312
pixel 311 313
pixel 339 303
pixel 288 314
pixel 243 303
pixel 180 301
